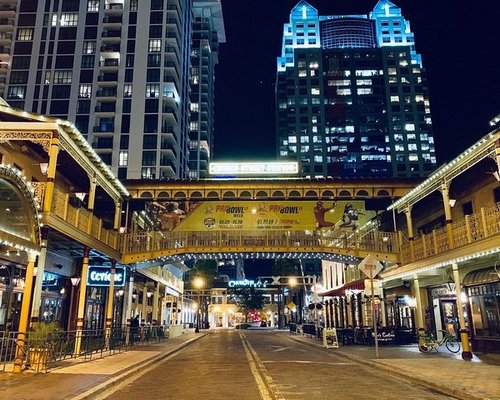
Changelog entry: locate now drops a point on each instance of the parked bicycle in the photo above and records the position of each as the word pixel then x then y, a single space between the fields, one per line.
pixel 428 343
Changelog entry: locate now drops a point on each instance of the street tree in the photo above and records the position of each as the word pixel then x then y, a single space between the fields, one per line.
pixel 249 299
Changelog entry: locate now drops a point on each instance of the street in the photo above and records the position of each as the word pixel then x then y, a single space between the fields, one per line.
pixel 264 365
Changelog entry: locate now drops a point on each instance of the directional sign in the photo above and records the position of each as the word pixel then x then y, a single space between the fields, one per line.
pixel 370 266
pixel 291 305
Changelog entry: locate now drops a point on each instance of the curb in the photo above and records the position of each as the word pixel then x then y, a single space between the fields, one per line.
pixel 89 394
pixel 464 395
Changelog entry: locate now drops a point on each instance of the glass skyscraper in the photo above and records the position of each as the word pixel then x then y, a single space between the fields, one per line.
pixel 351 95
pixel 119 70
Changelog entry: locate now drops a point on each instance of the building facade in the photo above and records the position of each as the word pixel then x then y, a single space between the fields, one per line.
pixel 120 71
pixel 351 95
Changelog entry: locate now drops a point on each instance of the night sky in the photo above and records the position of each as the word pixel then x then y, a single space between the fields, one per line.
pixel 458 40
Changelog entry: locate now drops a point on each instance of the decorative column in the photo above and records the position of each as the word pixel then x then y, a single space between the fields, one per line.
pixel 156 299
pixel 110 302
pixel 40 264
pixel 91 201
pixel 128 305
pixel 419 312
pixel 81 301
pixel 23 319
pixel 51 173
pixel 118 214
pixel 411 237
pixel 447 213
pixel 144 303
pixel 464 333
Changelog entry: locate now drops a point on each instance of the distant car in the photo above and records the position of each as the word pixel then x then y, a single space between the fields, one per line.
pixel 243 326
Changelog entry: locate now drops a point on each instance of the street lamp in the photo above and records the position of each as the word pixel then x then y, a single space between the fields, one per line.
pixel 198 283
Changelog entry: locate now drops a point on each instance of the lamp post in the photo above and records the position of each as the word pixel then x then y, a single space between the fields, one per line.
pixel 292 282
pixel 198 283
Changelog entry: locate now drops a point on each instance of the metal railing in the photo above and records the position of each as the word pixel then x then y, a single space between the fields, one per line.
pixel 470 229
pixel 40 355
pixel 167 240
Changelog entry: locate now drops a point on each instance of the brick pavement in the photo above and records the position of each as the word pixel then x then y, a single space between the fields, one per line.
pixel 476 379
pixel 78 380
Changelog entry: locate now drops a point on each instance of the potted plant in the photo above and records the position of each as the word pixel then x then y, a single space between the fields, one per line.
pixel 40 339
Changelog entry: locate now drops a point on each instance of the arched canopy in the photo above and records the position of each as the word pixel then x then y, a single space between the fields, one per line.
pixel 19 225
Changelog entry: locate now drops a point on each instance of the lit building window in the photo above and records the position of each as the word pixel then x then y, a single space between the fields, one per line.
pixel 66 19
pixel 412 147
pixel 391 71
pixel 409 127
pixel 17 92
pixel 394 99
pixel 302 73
pixel 93 5
pixel 419 98
pixel 89 47
pixel 62 77
pixel 154 45
pixel 362 91
pixel 153 90
pixel 343 92
pixel 193 125
pixel 304 139
pixel 127 90
pixel 413 157
pixel 24 34
pixel 85 91
pixel 292 139
pixel 315 91
pixel 318 159
pixel 399 147
pixel 123 159
pixel 194 107
pixel 363 82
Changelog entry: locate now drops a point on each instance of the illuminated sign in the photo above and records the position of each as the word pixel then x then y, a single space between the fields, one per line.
pixel 50 279
pixel 247 283
pixel 101 276
pixel 254 168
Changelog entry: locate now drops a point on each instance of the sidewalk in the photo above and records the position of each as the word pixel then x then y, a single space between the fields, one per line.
pixel 81 380
pixel 478 379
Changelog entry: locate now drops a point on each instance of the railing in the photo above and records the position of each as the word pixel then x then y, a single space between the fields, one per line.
pixel 470 229
pixel 167 240
pixel 44 354
pixel 82 219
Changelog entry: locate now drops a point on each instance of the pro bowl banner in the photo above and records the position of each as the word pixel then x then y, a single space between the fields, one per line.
pixel 275 215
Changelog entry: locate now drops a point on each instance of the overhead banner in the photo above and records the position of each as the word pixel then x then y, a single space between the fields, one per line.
pixel 275 215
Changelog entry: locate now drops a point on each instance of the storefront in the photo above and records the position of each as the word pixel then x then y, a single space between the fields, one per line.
pixel 443 314
pixel 98 280
pixel 53 305
pixel 11 294
pixel 400 308
pixel 483 290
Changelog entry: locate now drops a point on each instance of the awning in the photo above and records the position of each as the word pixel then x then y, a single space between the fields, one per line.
pixel 399 291
pixel 482 276
pixel 340 291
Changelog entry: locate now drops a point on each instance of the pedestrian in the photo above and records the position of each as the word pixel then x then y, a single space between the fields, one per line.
pixel 134 329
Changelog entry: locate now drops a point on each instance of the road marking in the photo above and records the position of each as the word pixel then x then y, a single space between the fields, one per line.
pixel 268 390
pixel 308 362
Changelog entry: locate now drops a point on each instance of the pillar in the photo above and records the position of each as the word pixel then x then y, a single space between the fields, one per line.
pixel 51 173
pixel 411 237
pixel 156 299
pixel 127 308
pixel 447 213
pixel 40 264
pixel 118 214
pixel 144 303
pixel 92 189
pixel 81 301
pixel 464 333
pixel 25 307
pixel 110 301
pixel 419 312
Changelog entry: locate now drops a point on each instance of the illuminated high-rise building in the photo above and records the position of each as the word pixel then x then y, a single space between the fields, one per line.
pixel 119 70
pixel 351 95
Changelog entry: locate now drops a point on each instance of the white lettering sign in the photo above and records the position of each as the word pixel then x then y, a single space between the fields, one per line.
pixel 254 168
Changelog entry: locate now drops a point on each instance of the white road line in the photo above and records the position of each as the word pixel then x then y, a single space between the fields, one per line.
pixel 268 391
pixel 308 362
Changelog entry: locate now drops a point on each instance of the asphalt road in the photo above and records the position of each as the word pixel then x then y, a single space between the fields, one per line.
pixel 252 365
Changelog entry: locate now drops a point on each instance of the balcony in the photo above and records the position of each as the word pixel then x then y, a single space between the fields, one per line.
pixel 470 230
pixel 81 220
pixel 113 8
pixel 108 79
pixel 110 48
pixel 104 129
pixel 107 93
pixel 112 21
pixel 111 36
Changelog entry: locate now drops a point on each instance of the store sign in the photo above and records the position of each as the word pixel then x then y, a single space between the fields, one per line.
pixel 50 279
pixel 101 276
pixel 253 168
pixel 245 283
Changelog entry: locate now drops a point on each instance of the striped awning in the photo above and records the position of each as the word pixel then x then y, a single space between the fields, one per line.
pixel 482 276
pixel 340 291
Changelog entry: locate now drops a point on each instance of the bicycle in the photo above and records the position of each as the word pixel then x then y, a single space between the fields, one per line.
pixel 428 343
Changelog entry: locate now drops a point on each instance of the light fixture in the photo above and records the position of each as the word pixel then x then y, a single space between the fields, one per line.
pixel 496 174
pixel 149 293
pixel 134 294
pixel 44 168
pixel 75 280
pixel 292 281
pixel 62 291
pixel 35 271
pixel 80 195
pixel 452 202
pixel 120 292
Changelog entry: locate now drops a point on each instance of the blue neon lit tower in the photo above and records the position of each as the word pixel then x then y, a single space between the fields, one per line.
pixel 351 95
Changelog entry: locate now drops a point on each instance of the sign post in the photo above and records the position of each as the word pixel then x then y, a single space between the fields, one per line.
pixel 371 267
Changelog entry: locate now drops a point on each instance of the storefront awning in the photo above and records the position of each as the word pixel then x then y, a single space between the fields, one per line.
pixel 482 276
pixel 340 291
